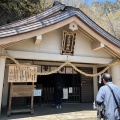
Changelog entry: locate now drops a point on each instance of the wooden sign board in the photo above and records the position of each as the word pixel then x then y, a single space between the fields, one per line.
pixel 22 90
pixel 15 74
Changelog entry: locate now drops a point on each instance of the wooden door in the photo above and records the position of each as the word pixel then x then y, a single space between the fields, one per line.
pixel 87 94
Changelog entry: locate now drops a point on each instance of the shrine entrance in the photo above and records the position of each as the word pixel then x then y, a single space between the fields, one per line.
pixel 71 83
pixel 79 87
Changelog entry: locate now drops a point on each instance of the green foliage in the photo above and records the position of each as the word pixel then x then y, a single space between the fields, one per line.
pixel 12 10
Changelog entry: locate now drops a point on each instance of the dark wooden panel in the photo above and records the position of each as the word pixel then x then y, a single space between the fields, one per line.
pixel 21 101
pixel 86 86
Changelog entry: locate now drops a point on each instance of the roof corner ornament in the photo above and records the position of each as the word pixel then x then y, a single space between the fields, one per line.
pixel 73 26
pixel 56 3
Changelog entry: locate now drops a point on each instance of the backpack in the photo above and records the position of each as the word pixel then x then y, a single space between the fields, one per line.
pixel 59 86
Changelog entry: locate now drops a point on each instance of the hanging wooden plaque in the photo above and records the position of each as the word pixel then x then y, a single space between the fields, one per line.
pixel 15 74
pixel 68 43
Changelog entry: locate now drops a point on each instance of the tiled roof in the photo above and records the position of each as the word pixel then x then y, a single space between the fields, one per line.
pixel 45 19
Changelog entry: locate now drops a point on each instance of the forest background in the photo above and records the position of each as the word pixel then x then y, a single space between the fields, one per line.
pixel 105 13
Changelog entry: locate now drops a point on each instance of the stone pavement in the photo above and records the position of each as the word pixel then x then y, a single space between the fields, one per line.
pixel 71 111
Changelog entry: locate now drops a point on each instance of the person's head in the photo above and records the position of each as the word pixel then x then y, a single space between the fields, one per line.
pixel 106 78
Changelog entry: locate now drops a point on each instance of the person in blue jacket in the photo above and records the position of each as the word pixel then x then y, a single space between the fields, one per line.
pixel 105 96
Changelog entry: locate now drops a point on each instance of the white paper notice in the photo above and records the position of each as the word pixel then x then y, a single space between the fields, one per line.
pixel 65 93
pixel 70 90
pixel 37 92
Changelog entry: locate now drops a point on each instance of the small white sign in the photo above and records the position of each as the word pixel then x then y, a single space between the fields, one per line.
pixel 69 70
pixel 70 90
pixel 37 92
pixel 65 93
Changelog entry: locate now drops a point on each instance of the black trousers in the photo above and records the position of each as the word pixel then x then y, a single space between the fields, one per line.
pixel 58 94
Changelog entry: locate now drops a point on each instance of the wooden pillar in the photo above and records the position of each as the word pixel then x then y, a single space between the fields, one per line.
pixel 2 68
pixel 115 71
pixel 5 88
pixel 95 82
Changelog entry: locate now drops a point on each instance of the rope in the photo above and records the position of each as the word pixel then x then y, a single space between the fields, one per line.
pixel 64 64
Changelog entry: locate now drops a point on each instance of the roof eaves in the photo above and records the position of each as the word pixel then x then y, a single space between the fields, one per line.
pixel 55 19
pixel 35 25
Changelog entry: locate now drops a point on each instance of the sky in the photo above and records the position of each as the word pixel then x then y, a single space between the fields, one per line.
pixel 88 2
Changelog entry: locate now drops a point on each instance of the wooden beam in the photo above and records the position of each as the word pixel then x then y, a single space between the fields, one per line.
pixel 38 39
pixel 111 52
pixel 97 45
pixel 56 57
pixel 86 34
pixel 60 63
pixel 95 82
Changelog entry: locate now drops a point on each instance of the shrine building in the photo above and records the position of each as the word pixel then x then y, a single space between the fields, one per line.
pixel 61 38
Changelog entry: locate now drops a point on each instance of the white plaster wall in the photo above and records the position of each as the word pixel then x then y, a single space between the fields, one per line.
pixel 51 43
pixel 26 45
pixel 83 47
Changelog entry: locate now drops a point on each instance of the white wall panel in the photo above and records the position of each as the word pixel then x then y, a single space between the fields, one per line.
pixel 83 47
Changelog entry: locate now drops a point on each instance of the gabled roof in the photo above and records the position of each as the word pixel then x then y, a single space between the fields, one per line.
pixel 52 16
